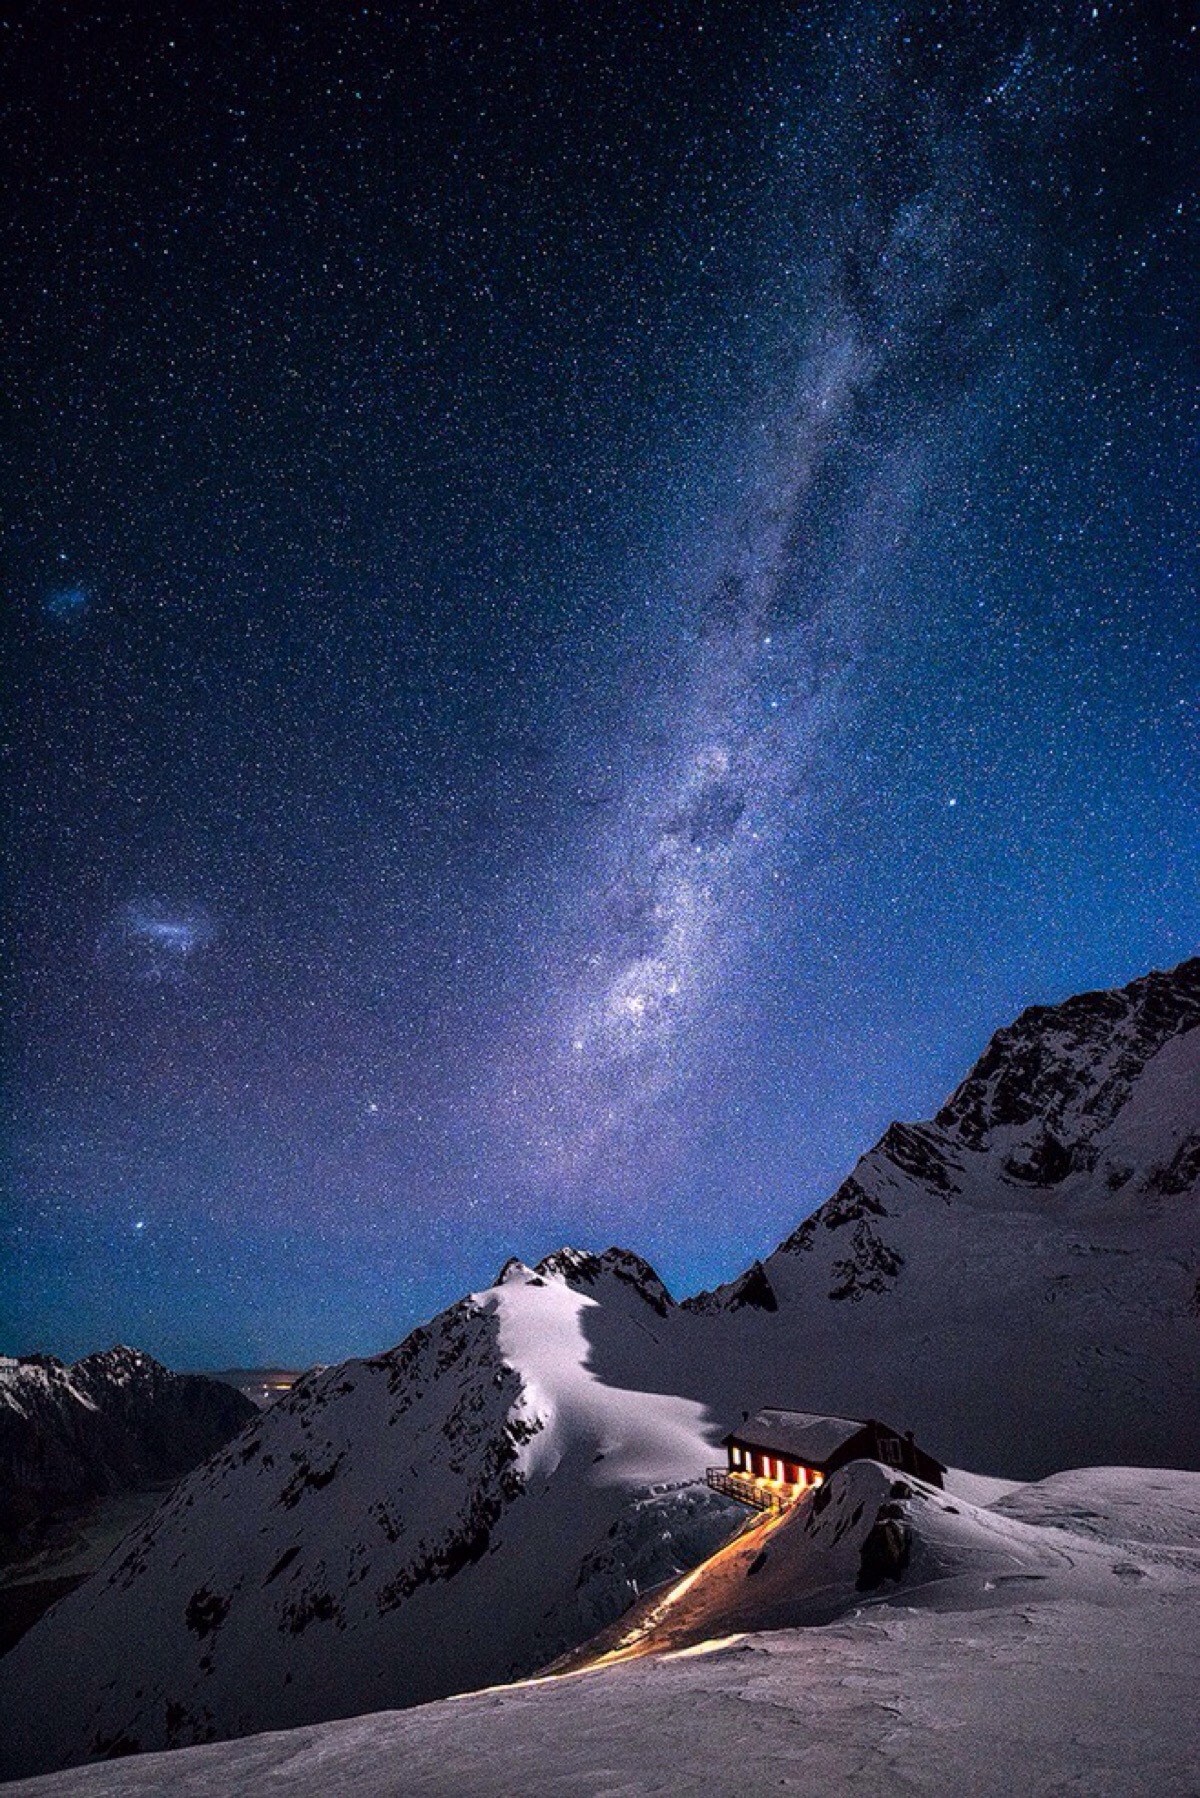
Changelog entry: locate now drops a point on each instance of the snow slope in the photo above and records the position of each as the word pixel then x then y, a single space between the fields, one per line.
pixel 996 1656
pixel 870 1536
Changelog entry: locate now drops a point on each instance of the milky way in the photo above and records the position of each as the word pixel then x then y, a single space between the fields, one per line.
pixel 930 278
pixel 593 607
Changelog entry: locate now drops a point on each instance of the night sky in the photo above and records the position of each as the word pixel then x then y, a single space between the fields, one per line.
pixel 594 594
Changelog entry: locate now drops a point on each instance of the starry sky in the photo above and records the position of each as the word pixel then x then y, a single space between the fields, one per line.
pixel 595 594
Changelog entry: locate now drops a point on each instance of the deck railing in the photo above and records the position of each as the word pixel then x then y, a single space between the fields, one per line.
pixel 748 1491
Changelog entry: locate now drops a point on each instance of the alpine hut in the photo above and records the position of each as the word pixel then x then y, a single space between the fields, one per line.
pixel 775 1457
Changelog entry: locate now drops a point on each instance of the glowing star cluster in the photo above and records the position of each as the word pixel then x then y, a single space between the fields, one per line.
pixel 150 942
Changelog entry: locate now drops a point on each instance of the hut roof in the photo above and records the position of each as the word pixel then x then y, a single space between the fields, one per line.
pixel 802 1436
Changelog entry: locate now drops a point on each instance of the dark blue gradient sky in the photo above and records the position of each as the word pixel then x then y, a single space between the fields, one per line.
pixel 597 594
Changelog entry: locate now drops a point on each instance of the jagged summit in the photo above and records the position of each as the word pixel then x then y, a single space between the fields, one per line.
pixel 1067 1070
pixel 584 1271
pixel 118 1362
pixel 122 1365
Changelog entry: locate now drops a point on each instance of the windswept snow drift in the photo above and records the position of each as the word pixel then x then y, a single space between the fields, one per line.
pixel 994 1656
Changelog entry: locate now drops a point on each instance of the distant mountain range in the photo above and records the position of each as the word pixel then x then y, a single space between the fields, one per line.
pixel 114 1421
pixel 1016 1280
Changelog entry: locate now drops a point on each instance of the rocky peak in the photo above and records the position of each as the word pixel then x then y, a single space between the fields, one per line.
pixel 752 1289
pixel 119 1366
pixel 1061 1073
pixel 120 1356
pixel 514 1269
pixel 584 1271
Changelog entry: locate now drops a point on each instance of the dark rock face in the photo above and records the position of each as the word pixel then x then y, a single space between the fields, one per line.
pixel 754 1289
pixel 1043 1162
pixel 870 1266
pixel 750 1291
pixel 886 1550
pixel 1183 1171
pixel 1070 1066
pixel 850 1204
pixel 114 1421
pixel 585 1271
pixel 918 1151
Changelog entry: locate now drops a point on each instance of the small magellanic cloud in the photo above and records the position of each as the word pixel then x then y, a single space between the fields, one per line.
pixel 64 603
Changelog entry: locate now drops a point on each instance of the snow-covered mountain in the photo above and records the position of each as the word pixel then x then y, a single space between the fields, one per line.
pixel 1019 1279
pixel 110 1422
pixel 455 1512
pixel 1016 1280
